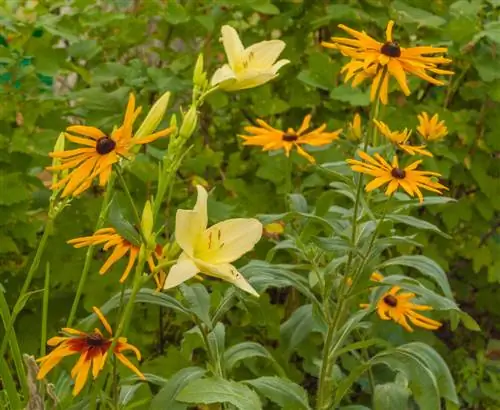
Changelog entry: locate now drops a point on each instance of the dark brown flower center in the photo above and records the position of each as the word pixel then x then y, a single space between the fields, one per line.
pixel 390 300
pixel 391 49
pixel 398 173
pixel 95 340
pixel 105 145
pixel 288 137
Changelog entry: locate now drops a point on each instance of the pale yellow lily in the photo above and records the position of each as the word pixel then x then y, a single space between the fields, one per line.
pixel 247 67
pixel 211 250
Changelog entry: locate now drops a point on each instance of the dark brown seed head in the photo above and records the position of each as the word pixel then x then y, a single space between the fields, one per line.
pixel 390 300
pixel 289 137
pixel 398 173
pixel 391 49
pixel 94 340
pixel 105 145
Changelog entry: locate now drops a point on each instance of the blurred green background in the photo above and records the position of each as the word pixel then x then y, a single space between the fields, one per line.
pixel 62 61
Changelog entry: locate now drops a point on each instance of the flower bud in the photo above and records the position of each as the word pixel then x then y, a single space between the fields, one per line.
pixel 154 117
pixel 58 147
pixel 199 76
pixel 189 123
pixel 354 132
pixel 147 221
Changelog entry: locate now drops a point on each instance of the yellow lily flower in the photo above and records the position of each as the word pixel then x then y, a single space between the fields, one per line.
pixel 247 67
pixel 211 250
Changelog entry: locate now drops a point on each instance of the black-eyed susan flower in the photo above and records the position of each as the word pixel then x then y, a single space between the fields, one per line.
pixel 399 308
pixel 273 139
pixel 211 250
pixel 377 61
pixel 98 152
pixel 431 129
pixel 93 350
pixel 401 139
pixel 112 239
pixel 354 128
pixel 247 67
pixel 407 178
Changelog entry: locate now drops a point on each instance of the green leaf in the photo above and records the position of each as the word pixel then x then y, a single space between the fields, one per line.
pixel 298 203
pixel 265 7
pixel 122 226
pixel 145 295
pixel 422 382
pixel 263 275
pixel 16 187
pixel 287 394
pixel 175 13
pixel 426 266
pixel 408 14
pixel 216 390
pixel 343 387
pixel 199 301
pixel 390 396
pixel 165 398
pixel 417 223
pixel 243 351
pixel 217 341
pixel 437 366
pixel 297 328
pixel 351 95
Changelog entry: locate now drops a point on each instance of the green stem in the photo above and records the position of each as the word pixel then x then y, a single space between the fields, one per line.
pixel 36 260
pixel 90 253
pixel 45 310
pixel 137 217
pixel 9 326
pixel 288 181
pixel 323 401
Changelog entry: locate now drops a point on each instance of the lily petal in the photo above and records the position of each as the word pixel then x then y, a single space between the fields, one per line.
pixel 227 241
pixel 227 272
pixel 180 272
pixel 261 56
pixel 232 45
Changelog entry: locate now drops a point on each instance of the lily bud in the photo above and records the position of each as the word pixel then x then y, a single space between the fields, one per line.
pixel 147 221
pixel 189 123
pixel 199 76
pixel 58 147
pixel 154 117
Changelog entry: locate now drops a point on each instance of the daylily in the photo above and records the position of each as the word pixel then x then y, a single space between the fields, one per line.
pixel 248 67
pixel 211 250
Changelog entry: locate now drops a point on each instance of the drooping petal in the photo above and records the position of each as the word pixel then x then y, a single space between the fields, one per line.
pixel 228 273
pixel 103 320
pixel 180 272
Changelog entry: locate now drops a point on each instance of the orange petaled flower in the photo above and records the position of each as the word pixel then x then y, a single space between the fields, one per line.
pixel 93 350
pixel 272 139
pixel 400 138
pixel 431 129
pixel 122 246
pixel 98 152
pixel 377 61
pixel 408 178
pixel 399 308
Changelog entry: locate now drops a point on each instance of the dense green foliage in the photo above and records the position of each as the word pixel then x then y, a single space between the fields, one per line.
pixel 58 63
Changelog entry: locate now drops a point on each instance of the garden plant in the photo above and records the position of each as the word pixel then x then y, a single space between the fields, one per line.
pixel 249 204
